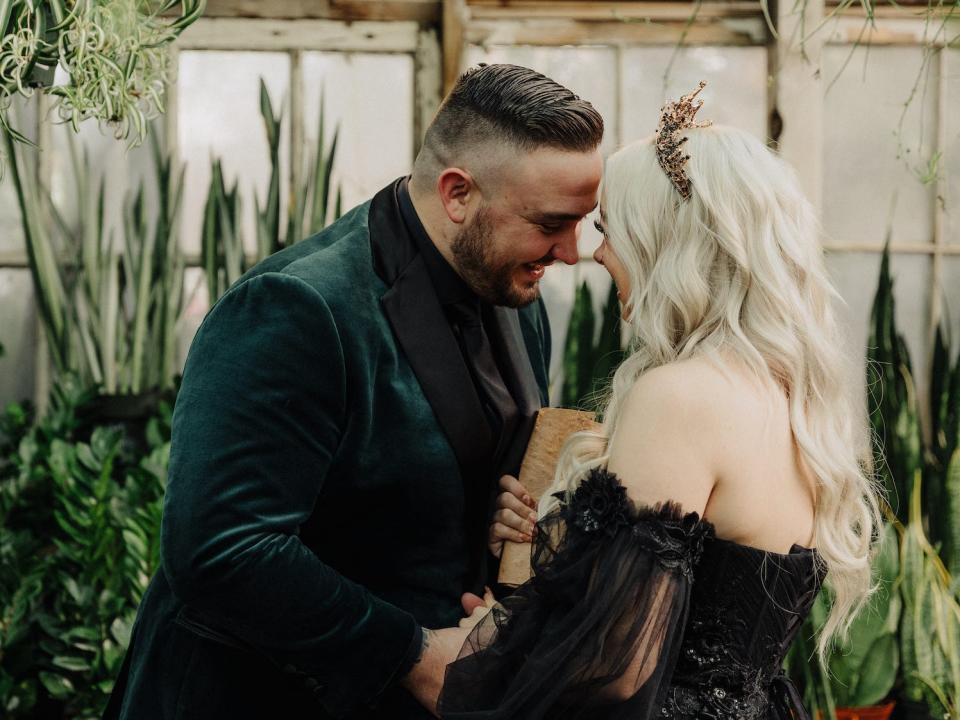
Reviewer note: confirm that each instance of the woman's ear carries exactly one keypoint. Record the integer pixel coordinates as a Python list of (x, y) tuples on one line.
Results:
[(456, 190)]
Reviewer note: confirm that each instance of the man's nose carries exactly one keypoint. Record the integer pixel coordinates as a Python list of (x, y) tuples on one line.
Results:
[(566, 250)]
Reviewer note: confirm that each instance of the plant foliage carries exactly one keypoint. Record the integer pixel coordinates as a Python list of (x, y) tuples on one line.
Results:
[(589, 358), (110, 309), (79, 541), (113, 52), (311, 206)]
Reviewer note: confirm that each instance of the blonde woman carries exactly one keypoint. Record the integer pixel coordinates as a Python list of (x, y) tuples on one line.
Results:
[(683, 545)]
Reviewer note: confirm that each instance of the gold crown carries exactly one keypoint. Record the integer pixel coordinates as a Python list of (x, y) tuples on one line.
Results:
[(675, 117)]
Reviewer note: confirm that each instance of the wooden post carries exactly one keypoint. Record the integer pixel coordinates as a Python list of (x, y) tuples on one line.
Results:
[(455, 15), (427, 84), (798, 92)]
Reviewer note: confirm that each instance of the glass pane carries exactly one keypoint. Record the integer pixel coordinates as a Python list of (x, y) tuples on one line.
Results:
[(736, 92), (855, 275), (871, 178), (119, 166), (590, 72), (559, 286), (218, 115), (359, 90), (18, 335), (951, 152)]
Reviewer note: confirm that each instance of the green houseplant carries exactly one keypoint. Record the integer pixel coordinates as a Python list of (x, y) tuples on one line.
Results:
[(923, 488), (110, 309), (112, 51), (79, 539), (590, 357), (862, 669)]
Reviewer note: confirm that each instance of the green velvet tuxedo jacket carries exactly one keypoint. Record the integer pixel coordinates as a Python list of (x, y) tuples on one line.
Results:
[(317, 509)]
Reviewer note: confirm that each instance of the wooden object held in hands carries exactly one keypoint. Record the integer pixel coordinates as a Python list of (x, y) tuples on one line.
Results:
[(552, 428)]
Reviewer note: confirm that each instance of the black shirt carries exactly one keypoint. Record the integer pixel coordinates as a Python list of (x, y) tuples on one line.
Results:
[(458, 300)]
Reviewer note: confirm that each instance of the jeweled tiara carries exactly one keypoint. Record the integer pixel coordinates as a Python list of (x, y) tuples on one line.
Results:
[(675, 117)]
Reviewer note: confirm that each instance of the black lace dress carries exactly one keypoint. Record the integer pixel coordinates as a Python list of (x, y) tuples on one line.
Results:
[(637, 613)]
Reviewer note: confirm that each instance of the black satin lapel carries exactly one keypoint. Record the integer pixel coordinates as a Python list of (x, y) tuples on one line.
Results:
[(520, 380), (424, 334)]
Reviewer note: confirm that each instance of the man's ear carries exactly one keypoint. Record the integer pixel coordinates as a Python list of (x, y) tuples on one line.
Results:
[(456, 189)]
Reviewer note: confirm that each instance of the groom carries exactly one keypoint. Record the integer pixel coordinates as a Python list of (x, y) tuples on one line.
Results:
[(345, 412)]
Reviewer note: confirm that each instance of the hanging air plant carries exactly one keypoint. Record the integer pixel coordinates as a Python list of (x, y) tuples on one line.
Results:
[(112, 51)]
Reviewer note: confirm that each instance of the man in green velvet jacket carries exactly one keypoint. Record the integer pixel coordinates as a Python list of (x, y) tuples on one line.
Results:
[(346, 410)]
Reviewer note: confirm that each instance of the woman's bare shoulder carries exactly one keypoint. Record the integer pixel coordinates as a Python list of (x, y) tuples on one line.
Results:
[(695, 387), (665, 442)]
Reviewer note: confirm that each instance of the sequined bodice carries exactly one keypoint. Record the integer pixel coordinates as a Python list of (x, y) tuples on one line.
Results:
[(746, 607)]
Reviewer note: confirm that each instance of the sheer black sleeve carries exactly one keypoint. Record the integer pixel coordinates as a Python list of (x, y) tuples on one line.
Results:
[(596, 632)]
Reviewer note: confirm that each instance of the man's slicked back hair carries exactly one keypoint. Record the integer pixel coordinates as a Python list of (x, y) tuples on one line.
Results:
[(513, 104)]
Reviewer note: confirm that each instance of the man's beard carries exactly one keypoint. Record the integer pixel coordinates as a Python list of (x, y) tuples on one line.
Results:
[(490, 278)]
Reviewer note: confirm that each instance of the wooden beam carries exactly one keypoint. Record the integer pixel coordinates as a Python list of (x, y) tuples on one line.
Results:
[(606, 11), (903, 9), (892, 30), (424, 12), (544, 32), (284, 35)]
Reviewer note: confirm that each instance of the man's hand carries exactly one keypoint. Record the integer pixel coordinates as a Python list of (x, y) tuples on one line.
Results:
[(515, 518), (476, 607), (440, 648)]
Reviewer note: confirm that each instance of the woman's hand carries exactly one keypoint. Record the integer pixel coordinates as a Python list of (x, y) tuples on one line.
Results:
[(515, 517)]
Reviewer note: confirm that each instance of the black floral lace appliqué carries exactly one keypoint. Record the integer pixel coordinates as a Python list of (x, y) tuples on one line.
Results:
[(600, 505)]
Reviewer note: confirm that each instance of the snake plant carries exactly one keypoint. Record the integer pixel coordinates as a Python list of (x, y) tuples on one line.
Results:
[(310, 207), (590, 359), (110, 308)]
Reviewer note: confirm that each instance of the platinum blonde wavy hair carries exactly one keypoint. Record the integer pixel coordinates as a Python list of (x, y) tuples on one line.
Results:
[(738, 267)]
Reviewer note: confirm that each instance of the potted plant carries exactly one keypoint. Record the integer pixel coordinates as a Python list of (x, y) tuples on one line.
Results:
[(113, 53), (110, 308), (861, 668)]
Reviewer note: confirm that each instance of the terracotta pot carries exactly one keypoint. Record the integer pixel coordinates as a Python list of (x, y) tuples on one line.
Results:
[(874, 712)]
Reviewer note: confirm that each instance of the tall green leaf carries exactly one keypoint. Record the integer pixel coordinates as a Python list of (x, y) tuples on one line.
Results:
[(578, 349)]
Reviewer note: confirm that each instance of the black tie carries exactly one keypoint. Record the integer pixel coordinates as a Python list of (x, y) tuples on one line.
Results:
[(478, 355)]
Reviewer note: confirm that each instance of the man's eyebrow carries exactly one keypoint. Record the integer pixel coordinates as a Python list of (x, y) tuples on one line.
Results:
[(558, 217)]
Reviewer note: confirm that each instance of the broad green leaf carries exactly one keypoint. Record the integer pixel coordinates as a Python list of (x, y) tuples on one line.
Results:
[(878, 674), (58, 686), (67, 662)]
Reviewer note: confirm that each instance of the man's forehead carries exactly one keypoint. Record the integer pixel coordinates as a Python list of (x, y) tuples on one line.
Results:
[(580, 171), (555, 182)]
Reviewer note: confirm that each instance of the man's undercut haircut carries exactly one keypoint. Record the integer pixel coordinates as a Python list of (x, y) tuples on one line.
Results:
[(516, 105)]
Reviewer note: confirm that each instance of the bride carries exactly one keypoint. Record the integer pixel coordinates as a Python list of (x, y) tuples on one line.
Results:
[(683, 545)]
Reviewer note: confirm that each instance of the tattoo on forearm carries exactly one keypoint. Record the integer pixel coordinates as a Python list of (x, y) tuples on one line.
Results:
[(425, 643)]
